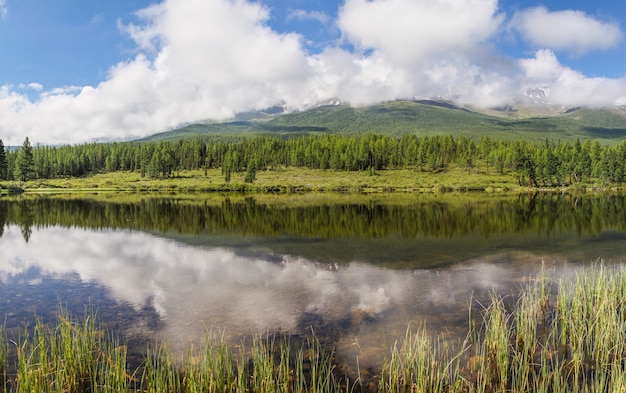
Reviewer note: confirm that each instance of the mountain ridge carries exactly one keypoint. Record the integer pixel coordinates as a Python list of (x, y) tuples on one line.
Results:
[(421, 117)]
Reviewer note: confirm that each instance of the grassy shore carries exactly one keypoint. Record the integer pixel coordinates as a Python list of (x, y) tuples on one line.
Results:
[(289, 180), (557, 337)]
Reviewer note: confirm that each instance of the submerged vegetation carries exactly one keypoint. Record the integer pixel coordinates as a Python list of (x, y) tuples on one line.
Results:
[(558, 336)]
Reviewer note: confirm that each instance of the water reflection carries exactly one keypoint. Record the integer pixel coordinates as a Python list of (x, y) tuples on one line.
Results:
[(347, 217), (356, 271), (200, 286), (192, 288), (410, 231)]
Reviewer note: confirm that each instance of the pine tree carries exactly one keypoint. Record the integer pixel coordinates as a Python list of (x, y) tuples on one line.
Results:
[(24, 163)]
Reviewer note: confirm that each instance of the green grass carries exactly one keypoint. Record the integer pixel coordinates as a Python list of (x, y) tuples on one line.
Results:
[(75, 356), (289, 180), (560, 336), (574, 340)]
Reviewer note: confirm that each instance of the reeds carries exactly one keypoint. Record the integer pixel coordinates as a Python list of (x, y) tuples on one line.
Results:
[(573, 339), (273, 364), (73, 357), (421, 363), (559, 336), (3, 356)]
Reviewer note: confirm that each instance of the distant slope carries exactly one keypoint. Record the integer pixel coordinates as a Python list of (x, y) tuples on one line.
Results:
[(421, 118)]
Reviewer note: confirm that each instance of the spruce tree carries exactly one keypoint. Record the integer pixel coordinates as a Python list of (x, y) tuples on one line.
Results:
[(4, 165), (24, 163), (227, 166), (251, 171)]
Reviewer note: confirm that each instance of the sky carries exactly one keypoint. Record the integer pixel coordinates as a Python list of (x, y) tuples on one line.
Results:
[(76, 71)]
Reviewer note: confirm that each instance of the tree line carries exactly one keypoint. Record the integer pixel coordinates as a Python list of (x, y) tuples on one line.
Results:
[(549, 163)]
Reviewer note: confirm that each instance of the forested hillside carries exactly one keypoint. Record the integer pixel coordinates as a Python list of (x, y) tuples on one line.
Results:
[(422, 118), (537, 164)]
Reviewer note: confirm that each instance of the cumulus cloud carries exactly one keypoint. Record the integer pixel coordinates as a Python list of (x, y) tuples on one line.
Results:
[(405, 49), (407, 31), (3, 8), (231, 51), (569, 87), (565, 30), (199, 60)]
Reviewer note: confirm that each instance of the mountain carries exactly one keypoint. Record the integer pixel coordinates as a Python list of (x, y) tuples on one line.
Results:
[(530, 118)]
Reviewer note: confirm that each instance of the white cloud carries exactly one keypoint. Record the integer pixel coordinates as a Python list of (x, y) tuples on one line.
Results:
[(31, 86), (63, 90), (408, 31), (206, 60), (569, 87), (565, 30), (318, 16), (407, 48), (3, 8), (35, 86), (367, 79)]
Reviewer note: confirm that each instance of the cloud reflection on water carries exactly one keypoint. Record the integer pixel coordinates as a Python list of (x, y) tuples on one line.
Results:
[(193, 288), (194, 284)]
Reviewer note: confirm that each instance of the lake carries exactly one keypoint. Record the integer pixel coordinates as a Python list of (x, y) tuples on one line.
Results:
[(355, 269)]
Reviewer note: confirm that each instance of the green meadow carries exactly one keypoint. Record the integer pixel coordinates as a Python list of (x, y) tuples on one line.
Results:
[(283, 180), (290, 180)]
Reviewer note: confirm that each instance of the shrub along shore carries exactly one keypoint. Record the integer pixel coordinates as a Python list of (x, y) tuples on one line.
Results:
[(560, 336)]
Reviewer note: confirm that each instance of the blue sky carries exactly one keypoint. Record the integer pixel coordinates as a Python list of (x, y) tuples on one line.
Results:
[(74, 71)]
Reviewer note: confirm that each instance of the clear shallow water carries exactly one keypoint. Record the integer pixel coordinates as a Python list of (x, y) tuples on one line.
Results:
[(360, 291)]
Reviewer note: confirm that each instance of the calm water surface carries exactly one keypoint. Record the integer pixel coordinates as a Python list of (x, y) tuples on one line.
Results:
[(355, 270)]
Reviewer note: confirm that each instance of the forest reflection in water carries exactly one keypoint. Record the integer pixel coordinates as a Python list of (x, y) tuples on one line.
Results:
[(357, 272)]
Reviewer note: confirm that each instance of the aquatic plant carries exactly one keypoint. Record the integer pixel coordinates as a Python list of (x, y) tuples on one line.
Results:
[(3, 354), (571, 340), (73, 357), (421, 363)]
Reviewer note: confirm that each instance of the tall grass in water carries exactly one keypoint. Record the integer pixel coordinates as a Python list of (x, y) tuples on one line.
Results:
[(549, 340), (161, 373), (421, 363), (272, 364), (3, 357), (571, 340), (74, 357)]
